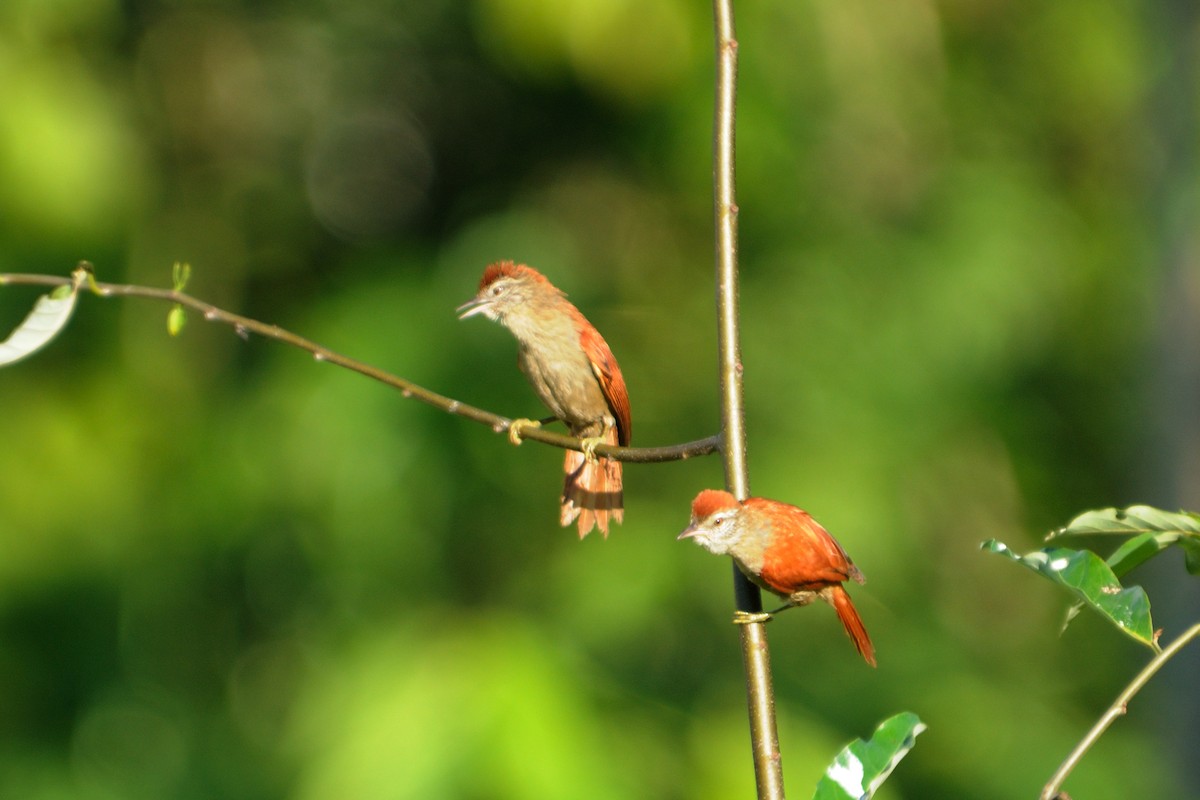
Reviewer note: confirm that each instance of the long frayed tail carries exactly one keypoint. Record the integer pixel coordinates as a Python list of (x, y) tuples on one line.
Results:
[(592, 490)]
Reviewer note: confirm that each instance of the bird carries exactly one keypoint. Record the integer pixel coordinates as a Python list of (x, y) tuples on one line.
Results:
[(574, 373), (782, 549)]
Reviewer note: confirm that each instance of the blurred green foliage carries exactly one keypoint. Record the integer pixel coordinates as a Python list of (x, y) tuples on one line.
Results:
[(229, 571)]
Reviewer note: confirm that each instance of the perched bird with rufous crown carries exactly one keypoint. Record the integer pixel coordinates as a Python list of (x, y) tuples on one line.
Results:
[(574, 373), (782, 549)]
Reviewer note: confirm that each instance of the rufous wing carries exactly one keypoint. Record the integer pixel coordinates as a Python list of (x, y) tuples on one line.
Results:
[(612, 383), (801, 554)]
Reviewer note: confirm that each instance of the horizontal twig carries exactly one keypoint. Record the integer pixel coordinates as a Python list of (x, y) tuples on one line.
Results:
[(245, 326)]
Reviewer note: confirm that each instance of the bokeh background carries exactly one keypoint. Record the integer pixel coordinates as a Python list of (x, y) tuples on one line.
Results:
[(970, 295)]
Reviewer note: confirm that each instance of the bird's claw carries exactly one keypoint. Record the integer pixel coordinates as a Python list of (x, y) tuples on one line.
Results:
[(752, 617), (589, 445), (517, 425)]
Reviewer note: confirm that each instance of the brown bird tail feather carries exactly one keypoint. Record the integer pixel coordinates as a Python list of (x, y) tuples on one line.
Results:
[(839, 598), (592, 491)]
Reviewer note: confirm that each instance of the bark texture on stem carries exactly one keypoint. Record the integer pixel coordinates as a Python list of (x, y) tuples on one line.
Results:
[(764, 736)]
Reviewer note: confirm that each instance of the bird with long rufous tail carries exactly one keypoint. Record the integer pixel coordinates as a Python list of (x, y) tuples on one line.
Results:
[(575, 374), (782, 549)]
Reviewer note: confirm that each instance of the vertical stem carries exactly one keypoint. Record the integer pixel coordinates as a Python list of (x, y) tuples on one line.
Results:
[(760, 697), (733, 422)]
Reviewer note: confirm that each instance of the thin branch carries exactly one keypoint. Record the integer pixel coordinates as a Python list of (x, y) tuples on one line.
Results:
[(733, 418), (760, 696), (245, 326), (1052, 789)]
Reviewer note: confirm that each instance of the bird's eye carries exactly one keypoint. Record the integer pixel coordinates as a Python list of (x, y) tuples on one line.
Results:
[(495, 290)]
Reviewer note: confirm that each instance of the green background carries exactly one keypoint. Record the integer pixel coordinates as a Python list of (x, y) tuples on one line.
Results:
[(968, 243)]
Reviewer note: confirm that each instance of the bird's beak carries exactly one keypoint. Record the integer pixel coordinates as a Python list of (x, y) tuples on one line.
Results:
[(688, 532), (472, 307)]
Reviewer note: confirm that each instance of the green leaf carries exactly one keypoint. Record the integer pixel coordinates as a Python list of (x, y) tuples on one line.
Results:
[(1129, 521), (181, 272), (1191, 554), (862, 767), (1138, 550), (50, 315), (1153, 530), (1092, 581)]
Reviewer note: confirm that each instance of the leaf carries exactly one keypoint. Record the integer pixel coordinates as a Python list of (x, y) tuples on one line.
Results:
[(1129, 521), (50, 315), (181, 272), (1138, 550), (1191, 554), (862, 767), (1092, 581), (1153, 531)]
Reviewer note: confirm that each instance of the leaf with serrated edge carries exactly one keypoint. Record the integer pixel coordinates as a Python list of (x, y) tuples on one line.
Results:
[(862, 767), (1092, 581), (50, 315)]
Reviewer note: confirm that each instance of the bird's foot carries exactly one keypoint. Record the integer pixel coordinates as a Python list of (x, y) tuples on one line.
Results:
[(517, 425), (752, 617), (589, 445)]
